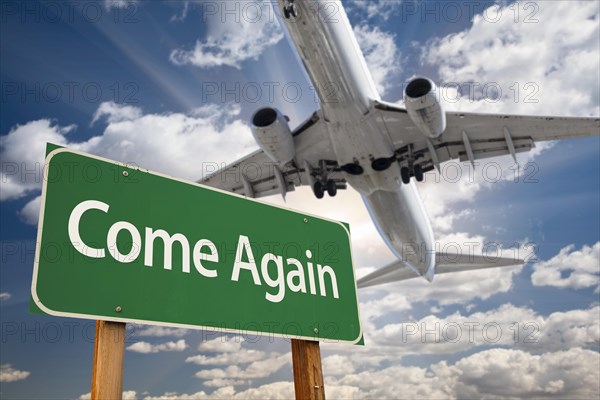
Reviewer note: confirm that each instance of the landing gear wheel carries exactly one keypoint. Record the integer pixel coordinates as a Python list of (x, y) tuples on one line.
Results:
[(331, 188), (405, 174), (318, 190), (419, 173), (286, 12)]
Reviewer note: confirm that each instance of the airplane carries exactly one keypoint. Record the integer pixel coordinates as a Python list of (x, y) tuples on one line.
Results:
[(378, 148)]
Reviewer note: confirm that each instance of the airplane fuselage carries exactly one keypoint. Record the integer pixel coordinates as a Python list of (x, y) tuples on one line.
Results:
[(325, 41)]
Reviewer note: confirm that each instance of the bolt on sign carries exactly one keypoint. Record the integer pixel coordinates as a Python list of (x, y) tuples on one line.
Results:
[(124, 244)]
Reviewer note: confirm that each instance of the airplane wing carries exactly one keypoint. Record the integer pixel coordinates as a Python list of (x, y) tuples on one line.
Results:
[(444, 263), (256, 175), (471, 136), (468, 137)]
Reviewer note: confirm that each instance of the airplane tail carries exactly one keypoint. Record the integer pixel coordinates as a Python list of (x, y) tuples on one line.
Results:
[(444, 263)]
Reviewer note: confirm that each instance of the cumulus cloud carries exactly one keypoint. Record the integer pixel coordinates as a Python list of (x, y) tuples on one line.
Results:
[(158, 331), (571, 268), (222, 344), (147, 348), (381, 54), (458, 288), (505, 326), (254, 370), (116, 113), (337, 365), (31, 212), (9, 374), (275, 390), (182, 15), (127, 395), (446, 192), (242, 356), (502, 373), (110, 4), (369, 9), (169, 143), (497, 51), (234, 40), (492, 374), (22, 154)]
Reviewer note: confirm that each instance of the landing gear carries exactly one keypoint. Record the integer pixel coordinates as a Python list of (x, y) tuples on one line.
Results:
[(418, 170), (318, 190), (290, 10), (405, 175), (325, 178), (331, 188)]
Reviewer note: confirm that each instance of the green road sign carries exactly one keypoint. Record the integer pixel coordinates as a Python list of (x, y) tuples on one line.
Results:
[(124, 244)]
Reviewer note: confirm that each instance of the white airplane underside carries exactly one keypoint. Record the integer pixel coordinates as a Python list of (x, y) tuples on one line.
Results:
[(378, 148)]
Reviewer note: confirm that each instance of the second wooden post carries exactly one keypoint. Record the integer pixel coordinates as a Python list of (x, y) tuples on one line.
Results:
[(308, 372)]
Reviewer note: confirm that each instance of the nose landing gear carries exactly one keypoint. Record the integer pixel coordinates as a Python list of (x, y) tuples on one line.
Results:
[(417, 172), (330, 187), (321, 179)]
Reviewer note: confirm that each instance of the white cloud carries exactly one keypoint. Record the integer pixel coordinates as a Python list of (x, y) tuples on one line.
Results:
[(127, 395), (242, 356), (22, 155), (5, 296), (460, 287), (456, 288), (233, 39), (31, 212), (182, 15), (168, 143), (110, 4), (116, 113), (255, 370), (501, 373), (493, 374), (575, 269), (222, 344), (563, 79), (337, 365), (505, 326), (275, 390), (381, 54), (368, 9), (224, 382), (158, 331), (147, 348), (9, 374)]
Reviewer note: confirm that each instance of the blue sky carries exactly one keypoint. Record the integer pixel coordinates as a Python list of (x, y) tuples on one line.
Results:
[(145, 82)]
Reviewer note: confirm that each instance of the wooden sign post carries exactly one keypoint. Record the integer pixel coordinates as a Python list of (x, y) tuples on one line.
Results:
[(109, 349), (308, 371)]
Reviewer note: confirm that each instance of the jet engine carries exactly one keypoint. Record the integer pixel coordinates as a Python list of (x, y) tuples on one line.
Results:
[(273, 134), (424, 108)]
